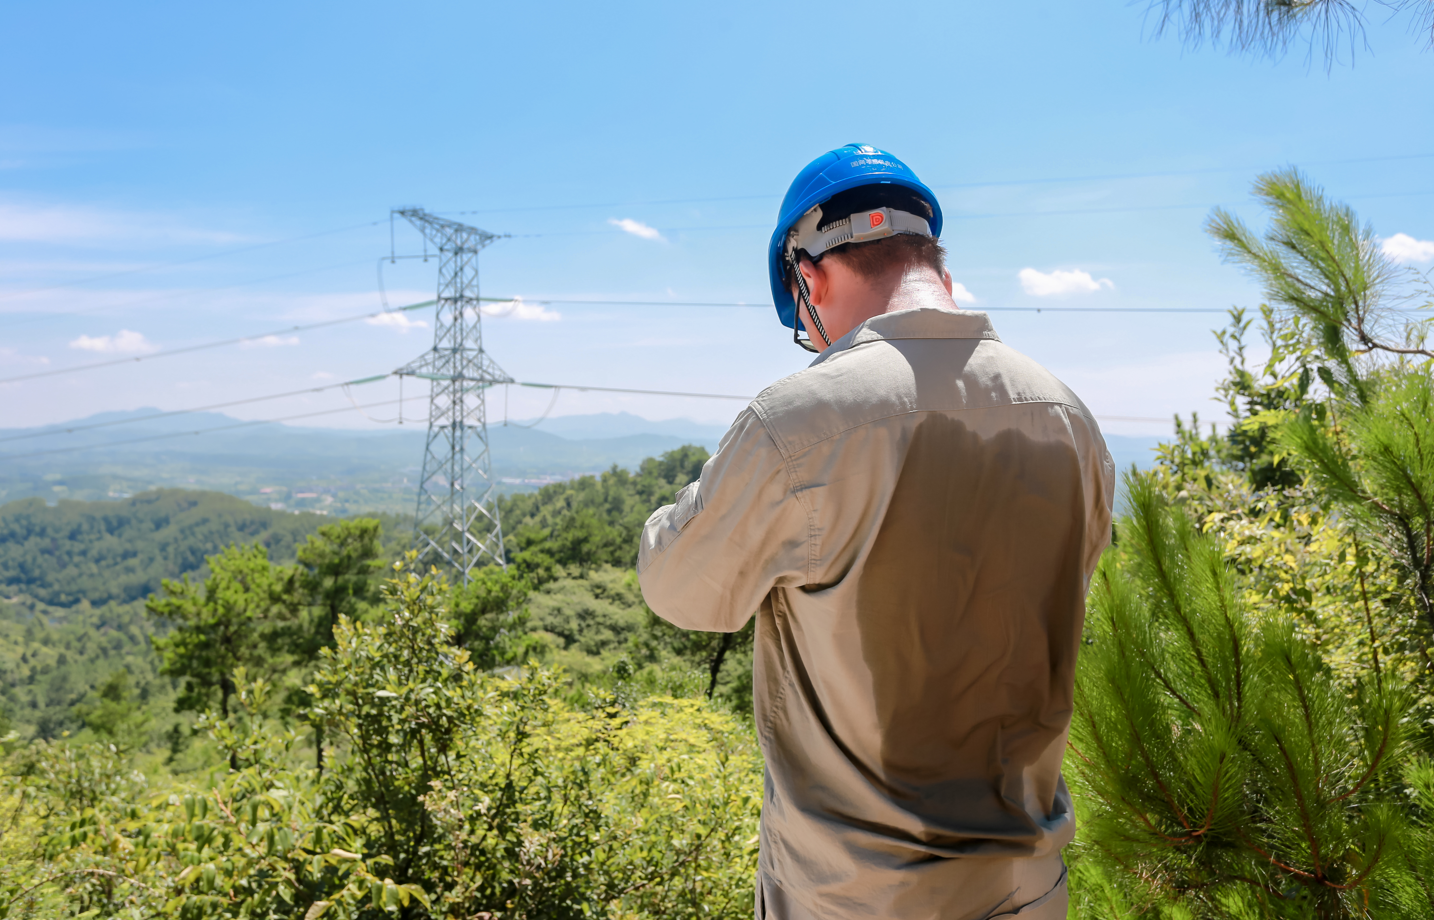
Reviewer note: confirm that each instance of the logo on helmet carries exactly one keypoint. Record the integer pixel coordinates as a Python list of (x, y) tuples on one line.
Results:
[(877, 219)]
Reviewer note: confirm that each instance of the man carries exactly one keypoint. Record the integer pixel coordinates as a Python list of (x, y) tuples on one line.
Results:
[(915, 518)]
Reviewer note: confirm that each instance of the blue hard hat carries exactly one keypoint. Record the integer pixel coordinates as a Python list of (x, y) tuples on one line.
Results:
[(835, 171)]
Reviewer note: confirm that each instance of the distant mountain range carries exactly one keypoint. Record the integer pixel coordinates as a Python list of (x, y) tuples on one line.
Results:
[(336, 470)]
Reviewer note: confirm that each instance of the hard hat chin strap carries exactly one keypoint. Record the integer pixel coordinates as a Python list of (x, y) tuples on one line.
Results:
[(807, 302)]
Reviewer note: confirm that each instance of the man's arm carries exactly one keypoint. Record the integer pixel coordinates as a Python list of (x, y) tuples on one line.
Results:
[(707, 561), (1098, 470)]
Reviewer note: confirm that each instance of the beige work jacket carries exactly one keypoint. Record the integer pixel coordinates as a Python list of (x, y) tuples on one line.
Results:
[(915, 519)]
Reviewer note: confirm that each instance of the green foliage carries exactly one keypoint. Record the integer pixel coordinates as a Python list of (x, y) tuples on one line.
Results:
[(1321, 266), (1377, 467), (1257, 404), (506, 799), (577, 543), (595, 616), (589, 522), (51, 657), (253, 844), (230, 621), (1293, 571), (1344, 565), (452, 784), (114, 712), (1224, 766), (66, 631), (120, 551), (339, 568), (490, 619), (453, 793)]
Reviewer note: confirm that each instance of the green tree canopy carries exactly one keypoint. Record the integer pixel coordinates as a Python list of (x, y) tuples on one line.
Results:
[(229, 621), (120, 551), (592, 521)]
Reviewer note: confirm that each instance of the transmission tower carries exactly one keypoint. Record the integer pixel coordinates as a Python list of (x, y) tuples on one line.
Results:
[(457, 516)]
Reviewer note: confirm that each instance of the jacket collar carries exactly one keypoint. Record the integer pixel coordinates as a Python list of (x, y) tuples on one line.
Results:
[(921, 323)]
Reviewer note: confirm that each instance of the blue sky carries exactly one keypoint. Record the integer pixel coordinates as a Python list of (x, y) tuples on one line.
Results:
[(237, 166)]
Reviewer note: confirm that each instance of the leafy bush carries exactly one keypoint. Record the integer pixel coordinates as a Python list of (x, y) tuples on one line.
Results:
[(451, 793)]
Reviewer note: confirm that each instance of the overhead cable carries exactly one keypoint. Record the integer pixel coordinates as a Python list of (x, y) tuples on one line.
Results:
[(203, 345), (984, 184), (360, 408), (568, 386), (953, 216), (181, 434), (768, 306), (209, 408), (134, 359)]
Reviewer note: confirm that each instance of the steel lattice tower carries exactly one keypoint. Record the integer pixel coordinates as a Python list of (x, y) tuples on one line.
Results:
[(457, 516)]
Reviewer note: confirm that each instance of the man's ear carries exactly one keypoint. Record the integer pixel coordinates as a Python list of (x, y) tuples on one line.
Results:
[(946, 279), (818, 283)]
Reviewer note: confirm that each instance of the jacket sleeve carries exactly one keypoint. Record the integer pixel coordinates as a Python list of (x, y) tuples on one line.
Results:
[(707, 561)]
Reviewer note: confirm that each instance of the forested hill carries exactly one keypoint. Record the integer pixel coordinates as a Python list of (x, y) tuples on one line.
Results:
[(74, 578), (119, 550)]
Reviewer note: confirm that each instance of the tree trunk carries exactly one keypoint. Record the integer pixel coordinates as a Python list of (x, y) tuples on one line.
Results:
[(715, 668), (225, 689)]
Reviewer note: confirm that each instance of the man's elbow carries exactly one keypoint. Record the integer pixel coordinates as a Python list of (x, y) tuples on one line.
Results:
[(686, 605)]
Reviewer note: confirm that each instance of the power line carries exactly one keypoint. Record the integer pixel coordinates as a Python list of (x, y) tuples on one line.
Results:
[(768, 306), (200, 347), (640, 303), (565, 386), (1132, 418), (568, 386), (949, 218), (986, 184), (212, 255), (618, 303), (181, 434), (224, 405), (356, 406)]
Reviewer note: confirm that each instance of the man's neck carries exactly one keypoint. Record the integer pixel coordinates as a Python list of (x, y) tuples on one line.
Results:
[(916, 287), (845, 299)]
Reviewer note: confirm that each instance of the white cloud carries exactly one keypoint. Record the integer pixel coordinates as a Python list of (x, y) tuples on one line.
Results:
[(397, 320), (960, 294), (517, 309), (1048, 284), (125, 342), (270, 341), (14, 356), (636, 228), (1401, 247), (321, 375)]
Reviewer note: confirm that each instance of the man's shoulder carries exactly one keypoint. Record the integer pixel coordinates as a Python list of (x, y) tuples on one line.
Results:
[(881, 378)]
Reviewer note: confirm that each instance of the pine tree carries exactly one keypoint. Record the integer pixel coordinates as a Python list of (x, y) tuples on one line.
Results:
[(1368, 445), (1223, 768)]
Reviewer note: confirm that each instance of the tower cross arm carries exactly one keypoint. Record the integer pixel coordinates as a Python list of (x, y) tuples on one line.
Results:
[(448, 235)]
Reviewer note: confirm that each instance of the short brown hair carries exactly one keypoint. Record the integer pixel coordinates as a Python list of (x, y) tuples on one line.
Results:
[(875, 258)]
